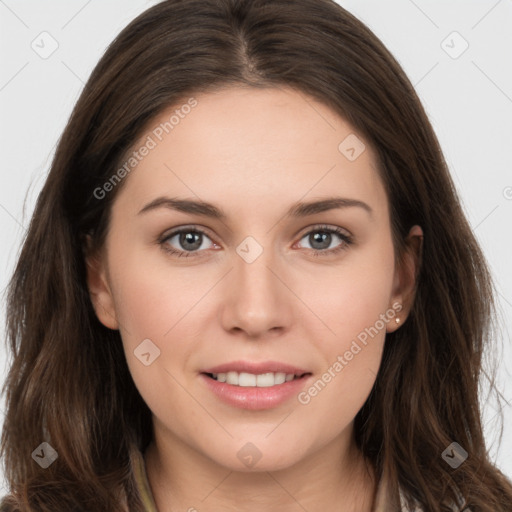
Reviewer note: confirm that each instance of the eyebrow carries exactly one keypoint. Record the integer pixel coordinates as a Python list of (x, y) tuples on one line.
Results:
[(300, 209)]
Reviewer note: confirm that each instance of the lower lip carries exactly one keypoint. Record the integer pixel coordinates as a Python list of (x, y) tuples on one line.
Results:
[(252, 397)]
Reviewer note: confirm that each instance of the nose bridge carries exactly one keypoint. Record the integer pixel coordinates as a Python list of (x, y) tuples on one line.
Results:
[(257, 299), (252, 270)]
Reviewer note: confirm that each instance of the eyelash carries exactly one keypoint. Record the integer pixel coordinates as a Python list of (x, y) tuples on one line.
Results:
[(347, 241)]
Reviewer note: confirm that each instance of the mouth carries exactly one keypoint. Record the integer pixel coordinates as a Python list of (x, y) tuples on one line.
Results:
[(260, 380), (255, 385), (261, 389)]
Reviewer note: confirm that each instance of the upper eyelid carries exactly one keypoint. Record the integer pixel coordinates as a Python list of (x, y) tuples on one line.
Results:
[(178, 230), (205, 231)]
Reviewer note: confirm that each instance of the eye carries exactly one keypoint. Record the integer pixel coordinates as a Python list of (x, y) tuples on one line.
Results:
[(321, 237), (188, 240)]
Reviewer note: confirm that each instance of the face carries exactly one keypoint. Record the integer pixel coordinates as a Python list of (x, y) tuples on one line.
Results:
[(270, 290)]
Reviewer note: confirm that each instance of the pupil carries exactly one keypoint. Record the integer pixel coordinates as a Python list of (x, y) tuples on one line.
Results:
[(186, 238), (321, 236)]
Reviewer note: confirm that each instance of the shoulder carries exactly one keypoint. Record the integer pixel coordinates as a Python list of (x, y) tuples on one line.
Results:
[(386, 499), (8, 503), (456, 507)]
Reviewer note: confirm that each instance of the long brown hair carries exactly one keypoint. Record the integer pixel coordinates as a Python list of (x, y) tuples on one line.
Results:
[(69, 384)]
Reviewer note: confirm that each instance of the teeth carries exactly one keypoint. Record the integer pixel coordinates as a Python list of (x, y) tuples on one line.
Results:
[(243, 379), (246, 379), (232, 378)]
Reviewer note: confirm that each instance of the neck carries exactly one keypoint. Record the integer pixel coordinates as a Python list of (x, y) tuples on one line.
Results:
[(333, 478)]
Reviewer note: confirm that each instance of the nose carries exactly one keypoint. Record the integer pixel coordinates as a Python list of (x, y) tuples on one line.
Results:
[(257, 300)]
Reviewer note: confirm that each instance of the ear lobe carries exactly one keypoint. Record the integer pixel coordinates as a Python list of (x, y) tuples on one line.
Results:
[(99, 290), (404, 286)]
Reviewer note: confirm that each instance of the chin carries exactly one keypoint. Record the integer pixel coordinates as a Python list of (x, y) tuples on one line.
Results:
[(253, 457)]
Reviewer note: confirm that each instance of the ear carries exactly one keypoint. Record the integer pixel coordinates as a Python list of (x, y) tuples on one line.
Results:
[(404, 284), (99, 289)]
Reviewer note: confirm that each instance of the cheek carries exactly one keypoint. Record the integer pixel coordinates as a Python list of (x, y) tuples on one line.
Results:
[(153, 297), (156, 302), (353, 296), (356, 307)]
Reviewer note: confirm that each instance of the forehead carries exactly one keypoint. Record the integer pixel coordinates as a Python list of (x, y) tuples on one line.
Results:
[(252, 146)]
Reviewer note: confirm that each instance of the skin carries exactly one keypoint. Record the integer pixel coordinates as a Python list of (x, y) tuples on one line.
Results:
[(253, 153)]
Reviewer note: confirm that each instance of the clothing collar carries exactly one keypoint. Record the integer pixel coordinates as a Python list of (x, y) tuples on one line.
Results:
[(141, 478)]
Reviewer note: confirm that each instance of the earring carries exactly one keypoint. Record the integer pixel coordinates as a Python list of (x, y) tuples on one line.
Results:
[(397, 320)]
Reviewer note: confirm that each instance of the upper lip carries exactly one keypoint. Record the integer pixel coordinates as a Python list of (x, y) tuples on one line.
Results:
[(256, 368)]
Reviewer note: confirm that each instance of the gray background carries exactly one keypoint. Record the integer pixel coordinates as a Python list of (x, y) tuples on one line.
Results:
[(467, 93)]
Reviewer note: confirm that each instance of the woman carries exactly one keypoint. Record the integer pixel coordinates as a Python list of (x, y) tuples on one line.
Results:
[(258, 368)]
